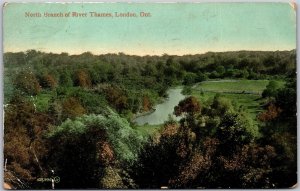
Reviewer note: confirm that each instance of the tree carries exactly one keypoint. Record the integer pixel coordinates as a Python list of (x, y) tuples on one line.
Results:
[(188, 105), (26, 82), (48, 81), (192, 154), (286, 99), (25, 147), (220, 70), (201, 77), (270, 114), (72, 108), (271, 89), (83, 79), (249, 167), (159, 159), (280, 131), (94, 151), (233, 132), (65, 79), (189, 78), (116, 96), (147, 106)]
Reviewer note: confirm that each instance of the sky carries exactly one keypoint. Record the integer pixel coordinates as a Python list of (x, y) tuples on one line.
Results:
[(173, 28)]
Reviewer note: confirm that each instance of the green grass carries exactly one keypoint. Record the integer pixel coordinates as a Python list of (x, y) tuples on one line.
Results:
[(244, 94), (148, 129), (234, 86), (249, 102)]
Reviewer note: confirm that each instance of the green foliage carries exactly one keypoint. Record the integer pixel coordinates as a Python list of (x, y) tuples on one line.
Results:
[(216, 143), (66, 79), (271, 89), (220, 70), (42, 101), (286, 99), (235, 86), (221, 116), (234, 130), (244, 94), (126, 141), (189, 78), (98, 146), (147, 130), (192, 154), (92, 102), (187, 90), (281, 133), (201, 77)]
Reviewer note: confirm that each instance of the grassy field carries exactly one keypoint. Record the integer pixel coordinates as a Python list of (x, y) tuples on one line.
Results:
[(250, 102), (234, 86), (242, 93), (148, 129)]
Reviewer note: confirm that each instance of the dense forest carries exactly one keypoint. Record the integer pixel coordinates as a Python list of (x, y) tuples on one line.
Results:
[(71, 118)]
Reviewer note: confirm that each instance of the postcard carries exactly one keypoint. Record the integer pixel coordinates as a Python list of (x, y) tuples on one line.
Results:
[(149, 95)]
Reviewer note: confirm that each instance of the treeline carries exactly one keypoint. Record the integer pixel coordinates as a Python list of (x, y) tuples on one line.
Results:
[(87, 70), (71, 114), (33, 71)]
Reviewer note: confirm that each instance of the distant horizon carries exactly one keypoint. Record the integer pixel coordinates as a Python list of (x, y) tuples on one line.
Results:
[(98, 54)]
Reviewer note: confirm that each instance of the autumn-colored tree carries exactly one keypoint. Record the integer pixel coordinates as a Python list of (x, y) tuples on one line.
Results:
[(271, 113), (27, 82), (170, 129), (49, 81), (25, 146), (72, 107), (250, 167), (111, 179), (83, 79), (146, 104), (188, 105), (112, 93), (116, 97), (192, 173), (121, 103)]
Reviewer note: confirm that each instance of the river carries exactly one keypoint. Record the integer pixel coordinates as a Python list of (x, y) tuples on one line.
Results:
[(162, 111)]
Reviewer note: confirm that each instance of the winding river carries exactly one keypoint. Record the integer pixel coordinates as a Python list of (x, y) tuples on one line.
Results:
[(162, 111)]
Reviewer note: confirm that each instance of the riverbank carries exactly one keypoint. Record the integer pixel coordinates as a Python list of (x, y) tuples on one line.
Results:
[(137, 115), (161, 111)]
